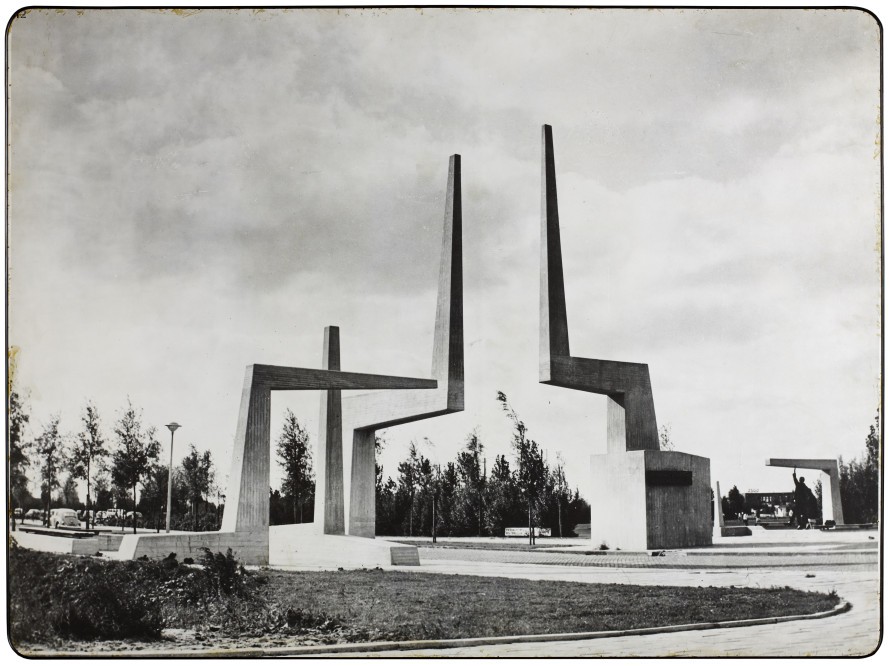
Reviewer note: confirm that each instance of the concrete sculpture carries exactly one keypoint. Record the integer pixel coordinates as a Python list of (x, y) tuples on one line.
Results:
[(364, 414), (831, 500), (661, 499), (245, 525)]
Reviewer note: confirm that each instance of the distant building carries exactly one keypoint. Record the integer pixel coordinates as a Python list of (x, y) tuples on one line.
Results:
[(775, 503)]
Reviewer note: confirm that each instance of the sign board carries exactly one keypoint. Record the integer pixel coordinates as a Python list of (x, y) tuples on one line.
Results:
[(523, 531)]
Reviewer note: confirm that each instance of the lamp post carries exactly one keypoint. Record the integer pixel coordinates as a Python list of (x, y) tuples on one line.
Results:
[(173, 426)]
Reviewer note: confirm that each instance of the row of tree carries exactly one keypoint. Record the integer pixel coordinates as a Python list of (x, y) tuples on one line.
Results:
[(112, 468), (463, 498), (460, 498)]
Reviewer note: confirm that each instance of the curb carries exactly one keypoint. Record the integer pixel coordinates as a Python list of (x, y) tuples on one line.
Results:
[(381, 646)]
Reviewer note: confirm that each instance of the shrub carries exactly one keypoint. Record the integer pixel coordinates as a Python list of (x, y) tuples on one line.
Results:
[(62, 596), (51, 596), (224, 574)]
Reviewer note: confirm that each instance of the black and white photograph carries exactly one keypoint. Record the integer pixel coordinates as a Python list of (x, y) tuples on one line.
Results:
[(424, 331)]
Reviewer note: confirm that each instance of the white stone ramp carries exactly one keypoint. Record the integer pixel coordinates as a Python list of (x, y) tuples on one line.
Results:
[(300, 546)]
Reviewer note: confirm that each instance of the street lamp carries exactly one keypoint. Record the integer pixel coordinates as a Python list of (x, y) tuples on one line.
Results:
[(173, 426)]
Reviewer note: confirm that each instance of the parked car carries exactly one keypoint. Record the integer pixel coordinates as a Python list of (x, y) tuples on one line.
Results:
[(34, 514), (63, 518), (17, 512), (128, 519)]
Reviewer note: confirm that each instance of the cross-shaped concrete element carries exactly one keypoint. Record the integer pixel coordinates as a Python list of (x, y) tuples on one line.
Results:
[(245, 525), (247, 503), (831, 501)]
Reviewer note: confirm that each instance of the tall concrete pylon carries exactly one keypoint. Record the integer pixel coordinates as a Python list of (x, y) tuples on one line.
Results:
[(660, 499), (630, 407), (364, 414)]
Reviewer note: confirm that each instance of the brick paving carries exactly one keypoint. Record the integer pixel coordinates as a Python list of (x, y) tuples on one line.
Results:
[(672, 559)]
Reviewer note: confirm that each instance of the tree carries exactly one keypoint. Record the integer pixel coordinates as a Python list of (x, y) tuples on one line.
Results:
[(817, 493), (447, 496), (18, 446), (386, 518), (532, 469), (859, 480), (104, 496), (560, 489), (137, 448), (198, 474), (665, 443), (153, 499), (471, 495), (89, 448), (502, 497), (734, 503), (51, 452), (409, 482), (68, 496), (295, 456)]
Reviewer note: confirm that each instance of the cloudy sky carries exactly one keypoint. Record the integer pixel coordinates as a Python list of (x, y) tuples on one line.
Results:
[(193, 192)]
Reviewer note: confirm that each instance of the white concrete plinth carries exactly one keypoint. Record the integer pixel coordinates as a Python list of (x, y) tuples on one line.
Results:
[(302, 546), (631, 514), (247, 547)]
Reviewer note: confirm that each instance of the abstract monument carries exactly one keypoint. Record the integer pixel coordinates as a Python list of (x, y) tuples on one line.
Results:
[(831, 500), (245, 525), (655, 499)]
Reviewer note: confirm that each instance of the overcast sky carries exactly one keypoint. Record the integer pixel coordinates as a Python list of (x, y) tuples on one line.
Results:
[(193, 192)]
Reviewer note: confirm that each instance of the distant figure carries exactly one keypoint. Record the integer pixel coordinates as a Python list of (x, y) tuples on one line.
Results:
[(802, 495)]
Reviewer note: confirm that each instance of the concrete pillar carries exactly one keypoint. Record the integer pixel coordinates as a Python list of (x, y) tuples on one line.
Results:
[(247, 499), (718, 512), (362, 495), (831, 497), (329, 452), (616, 430)]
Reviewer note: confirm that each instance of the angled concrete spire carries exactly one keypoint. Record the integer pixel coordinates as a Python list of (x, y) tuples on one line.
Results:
[(554, 322), (364, 414), (664, 495), (448, 343), (631, 409)]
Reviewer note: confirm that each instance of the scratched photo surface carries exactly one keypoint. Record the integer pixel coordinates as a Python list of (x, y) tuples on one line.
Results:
[(194, 191)]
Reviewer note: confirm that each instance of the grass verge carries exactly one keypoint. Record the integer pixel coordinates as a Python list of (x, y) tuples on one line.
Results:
[(56, 598)]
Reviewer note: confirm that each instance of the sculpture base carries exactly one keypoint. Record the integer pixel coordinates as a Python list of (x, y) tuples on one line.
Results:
[(247, 547), (650, 500), (302, 546)]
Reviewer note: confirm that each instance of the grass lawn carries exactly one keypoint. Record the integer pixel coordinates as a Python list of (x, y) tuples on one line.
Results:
[(406, 605), (56, 598)]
